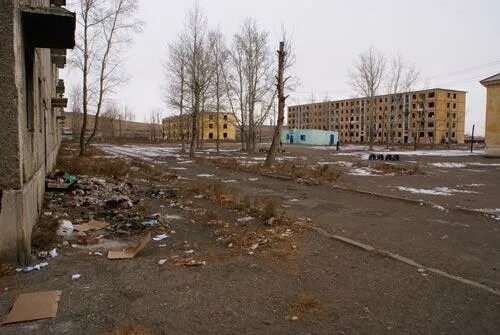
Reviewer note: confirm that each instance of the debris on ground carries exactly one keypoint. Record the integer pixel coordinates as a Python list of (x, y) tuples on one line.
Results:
[(34, 306), (130, 252)]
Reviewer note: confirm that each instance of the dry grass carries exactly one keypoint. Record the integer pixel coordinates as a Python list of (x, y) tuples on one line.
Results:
[(307, 304), (129, 330), (298, 170), (395, 168), (94, 163)]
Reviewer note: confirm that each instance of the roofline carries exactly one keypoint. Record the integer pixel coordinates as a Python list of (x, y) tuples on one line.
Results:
[(487, 80), (381, 95)]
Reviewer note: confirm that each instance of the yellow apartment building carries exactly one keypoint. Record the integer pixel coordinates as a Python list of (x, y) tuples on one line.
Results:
[(492, 135), (428, 117), (207, 125)]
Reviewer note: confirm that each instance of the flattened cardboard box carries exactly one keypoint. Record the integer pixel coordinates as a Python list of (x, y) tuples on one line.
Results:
[(34, 306), (130, 252), (92, 225)]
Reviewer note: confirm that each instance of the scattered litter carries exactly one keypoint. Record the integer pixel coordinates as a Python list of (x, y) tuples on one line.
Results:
[(203, 175), (162, 261), (246, 219), (230, 245), (150, 222), (285, 206), (162, 246), (195, 263), (444, 237), (189, 252), (92, 225), (270, 222), (28, 269), (53, 253), (76, 276), (294, 200), (130, 252), (65, 228), (199, 196), (421, 270), (97, 253), (34, 306), (160, 237), (295, 318)]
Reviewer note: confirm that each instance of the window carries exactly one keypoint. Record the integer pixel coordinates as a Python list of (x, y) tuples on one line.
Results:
[(454, 106), (414, 96), (430, 134), (422, 134), (211, 125), (431, 94), (302, 137), (224, 135), (211, 135), (454, 97), (210, 117), (287, 136), (225, 117), (431, 114), (431, 104), (224, 126), (453, 135)]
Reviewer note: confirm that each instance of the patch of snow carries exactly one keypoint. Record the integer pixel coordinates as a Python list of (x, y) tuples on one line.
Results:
[(230, 181), (253, 179), (204, 175), (185, 162), (246, 219), (484, 164), (445, 191), (178, 168), (449, 165), (365, 171)]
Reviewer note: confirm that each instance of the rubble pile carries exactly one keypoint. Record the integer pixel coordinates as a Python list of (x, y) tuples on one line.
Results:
[(98, 208)]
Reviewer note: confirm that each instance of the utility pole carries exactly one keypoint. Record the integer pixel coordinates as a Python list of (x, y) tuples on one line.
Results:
[(472, 139), (271, 155)]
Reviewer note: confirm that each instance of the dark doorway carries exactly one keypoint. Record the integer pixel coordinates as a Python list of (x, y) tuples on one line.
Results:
[(291, 139), (332, 139)]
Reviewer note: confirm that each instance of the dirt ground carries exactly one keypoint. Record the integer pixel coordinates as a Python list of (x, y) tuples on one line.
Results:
[(408, 247)]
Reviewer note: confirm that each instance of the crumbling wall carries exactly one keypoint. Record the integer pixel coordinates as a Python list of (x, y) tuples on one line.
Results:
[(28, 146)]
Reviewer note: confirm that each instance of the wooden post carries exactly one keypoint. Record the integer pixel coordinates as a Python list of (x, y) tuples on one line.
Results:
[(472, 139), (271, 155)]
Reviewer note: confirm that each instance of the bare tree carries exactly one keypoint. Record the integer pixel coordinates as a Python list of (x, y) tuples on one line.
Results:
[(400, 80), (366, 78), (250, 80), (198, 68), (219, 58), (106, 26), (176, 90), (286, 59), (75, 96)]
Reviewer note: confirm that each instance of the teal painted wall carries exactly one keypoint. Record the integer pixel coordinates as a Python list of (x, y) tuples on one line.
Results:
[(309, 136)]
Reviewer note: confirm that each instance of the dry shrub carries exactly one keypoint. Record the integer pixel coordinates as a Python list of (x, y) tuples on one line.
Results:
[(43, 236), (307, 304), (93, 163), (129, 330), (269, 209)]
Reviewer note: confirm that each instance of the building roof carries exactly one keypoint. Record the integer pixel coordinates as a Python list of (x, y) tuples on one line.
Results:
[(379, 96), (491, 80)]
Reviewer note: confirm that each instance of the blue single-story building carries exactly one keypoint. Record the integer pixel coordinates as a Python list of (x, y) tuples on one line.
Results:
[(309, 136)]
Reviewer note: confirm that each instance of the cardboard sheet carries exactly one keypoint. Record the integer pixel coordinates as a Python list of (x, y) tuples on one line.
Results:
[(92, 225), (34, 306), (130, 252)]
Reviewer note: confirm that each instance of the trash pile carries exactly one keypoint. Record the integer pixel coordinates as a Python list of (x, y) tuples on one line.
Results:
[(96, 208)]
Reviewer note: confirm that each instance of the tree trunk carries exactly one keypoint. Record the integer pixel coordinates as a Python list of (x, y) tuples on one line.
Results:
[(271, 155)]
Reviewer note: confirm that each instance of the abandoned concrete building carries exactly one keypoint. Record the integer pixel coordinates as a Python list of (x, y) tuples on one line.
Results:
[(428, 117), (492, 85), (34, 36)]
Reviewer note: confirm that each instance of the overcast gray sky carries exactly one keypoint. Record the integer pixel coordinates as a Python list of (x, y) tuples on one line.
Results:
[(453, 43)]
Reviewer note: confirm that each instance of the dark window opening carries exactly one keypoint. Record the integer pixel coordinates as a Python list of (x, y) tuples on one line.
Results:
[(224, 135)]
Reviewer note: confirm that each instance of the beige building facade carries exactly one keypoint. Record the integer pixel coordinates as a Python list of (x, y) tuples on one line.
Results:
[(492, 134), (209, 127), (33, 41), (427, 117)]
